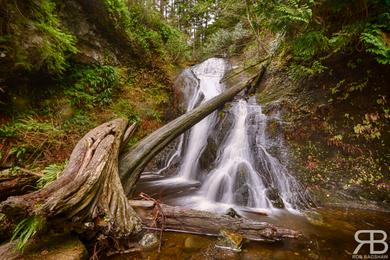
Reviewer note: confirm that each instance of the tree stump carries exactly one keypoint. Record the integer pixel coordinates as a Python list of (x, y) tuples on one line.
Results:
[(88, 189)]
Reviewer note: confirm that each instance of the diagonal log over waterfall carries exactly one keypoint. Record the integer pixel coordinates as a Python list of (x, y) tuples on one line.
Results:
[(133, 162), (93, 187)]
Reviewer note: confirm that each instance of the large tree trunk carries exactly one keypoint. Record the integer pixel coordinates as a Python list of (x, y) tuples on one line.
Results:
[(88, 189), (132, 163)]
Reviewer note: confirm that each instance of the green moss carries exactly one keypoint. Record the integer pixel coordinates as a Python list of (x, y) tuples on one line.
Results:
[(37, 39), (123, 108)]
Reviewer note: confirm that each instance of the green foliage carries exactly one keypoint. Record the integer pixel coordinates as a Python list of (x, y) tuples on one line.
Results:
[(119, 13), (51, 43), (346, 38), (281, 15), (226, 40), (147, 32), (373, 38), (50, 174), (175, 43), (80, 119), (299, 71), (123, 108), (18, 152), (292, 12), (26, 229), (27, 124), (309, 44), (372, 125), (92, 86)]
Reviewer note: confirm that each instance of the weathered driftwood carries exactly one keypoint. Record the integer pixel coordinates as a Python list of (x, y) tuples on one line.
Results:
[(89, 187), (184, 220), (132, 163), (12, 185)]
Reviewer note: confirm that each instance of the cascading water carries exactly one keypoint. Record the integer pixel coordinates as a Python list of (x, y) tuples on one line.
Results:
[(209, 74), (223, 184), (201, 83), (244, 174)]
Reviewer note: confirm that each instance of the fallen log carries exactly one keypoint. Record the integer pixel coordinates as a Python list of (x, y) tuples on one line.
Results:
[(132, 163), (178, 219)]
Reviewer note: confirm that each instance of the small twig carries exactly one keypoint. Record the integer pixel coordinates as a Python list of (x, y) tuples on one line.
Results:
[(95, 253), (30, 172), (130, 250), (182, 231), (157, 213)]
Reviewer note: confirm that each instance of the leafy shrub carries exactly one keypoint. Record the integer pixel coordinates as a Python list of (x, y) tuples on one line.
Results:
[(175, 43), (146, 31), (374, 40), (346, 38), (18, 152), (309, 44), (280, 15), (92, 86), (80, 119), (299, 71), (224, 40)]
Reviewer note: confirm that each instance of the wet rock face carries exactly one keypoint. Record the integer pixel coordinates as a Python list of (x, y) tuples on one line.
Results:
[(93, 48), (274, 196), (52, 247), (160, 160), (221, 131), (241, 189), (232, 213)]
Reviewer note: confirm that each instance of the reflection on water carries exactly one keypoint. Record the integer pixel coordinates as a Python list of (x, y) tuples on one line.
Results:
[(328, 234)]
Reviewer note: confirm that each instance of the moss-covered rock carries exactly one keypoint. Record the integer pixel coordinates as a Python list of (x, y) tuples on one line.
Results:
[(50, 247)]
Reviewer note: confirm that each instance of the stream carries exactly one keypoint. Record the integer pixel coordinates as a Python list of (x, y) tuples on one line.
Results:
[(229, 161)]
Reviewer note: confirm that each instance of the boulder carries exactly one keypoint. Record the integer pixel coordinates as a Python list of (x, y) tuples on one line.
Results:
[(149, 240), (51, 247), (193, 243)]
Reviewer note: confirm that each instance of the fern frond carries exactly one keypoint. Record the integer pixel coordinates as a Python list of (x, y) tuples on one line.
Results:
[(26, 229)]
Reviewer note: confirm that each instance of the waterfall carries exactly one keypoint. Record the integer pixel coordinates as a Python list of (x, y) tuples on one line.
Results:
[(201, 83), (209, 74), (223, 184), (243, 172)]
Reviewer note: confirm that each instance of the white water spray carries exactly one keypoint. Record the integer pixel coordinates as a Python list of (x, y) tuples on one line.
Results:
[(244, 173)]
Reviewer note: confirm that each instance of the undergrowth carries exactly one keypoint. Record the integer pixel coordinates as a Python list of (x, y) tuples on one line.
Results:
[(52, 44), (50, 174), (26, 229)]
